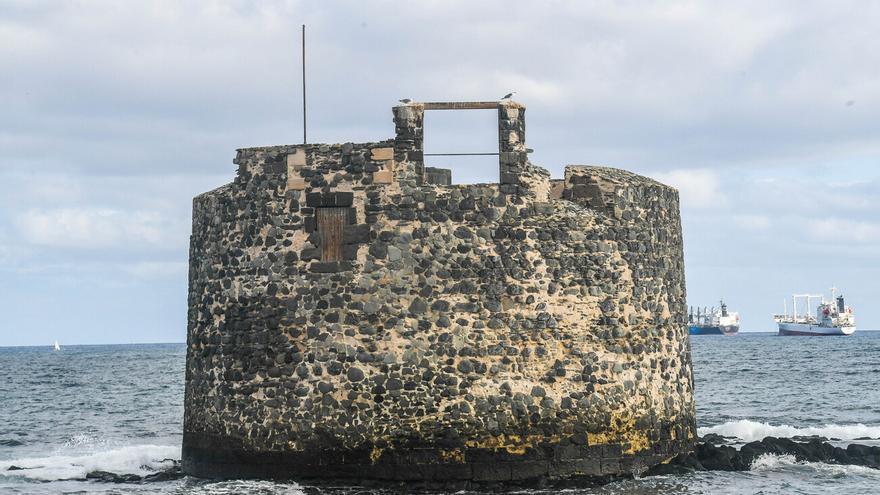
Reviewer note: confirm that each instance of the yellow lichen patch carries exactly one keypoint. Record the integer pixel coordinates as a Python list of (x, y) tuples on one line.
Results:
[(375, 454), (513, 444), (602, 438), (452, 455), (622, 431), (638, 441), (625, 434)]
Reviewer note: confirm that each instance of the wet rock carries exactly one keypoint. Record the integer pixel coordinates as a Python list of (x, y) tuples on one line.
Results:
[(715, 439), (174, 473), (710, 457), (108, 477)]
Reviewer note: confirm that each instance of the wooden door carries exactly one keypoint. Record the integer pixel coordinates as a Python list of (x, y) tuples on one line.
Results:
[(331, 221)]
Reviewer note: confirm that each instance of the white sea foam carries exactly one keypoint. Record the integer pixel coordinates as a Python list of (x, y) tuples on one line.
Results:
[(134, 459), (748, 431), (776, 463), (237, 487)]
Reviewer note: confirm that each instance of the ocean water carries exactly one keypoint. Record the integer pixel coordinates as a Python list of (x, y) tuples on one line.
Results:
[(119, 409)]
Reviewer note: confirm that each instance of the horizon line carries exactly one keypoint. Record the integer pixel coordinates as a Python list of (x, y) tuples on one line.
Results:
[(184, 343)]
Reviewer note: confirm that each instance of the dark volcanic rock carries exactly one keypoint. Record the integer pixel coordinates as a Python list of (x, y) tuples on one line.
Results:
[(108, 477), (709, 457), (172, 473), (716, 439)]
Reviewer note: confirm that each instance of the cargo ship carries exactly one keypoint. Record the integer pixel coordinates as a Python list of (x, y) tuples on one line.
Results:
[(713, 321), (832, 317)]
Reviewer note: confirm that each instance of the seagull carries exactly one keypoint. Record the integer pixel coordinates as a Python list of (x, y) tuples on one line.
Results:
[(405, 100), (508, 95)]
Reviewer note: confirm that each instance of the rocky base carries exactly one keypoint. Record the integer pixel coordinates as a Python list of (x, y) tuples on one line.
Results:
[(169, 474), (710, 454), (424, 467), (453, 467)]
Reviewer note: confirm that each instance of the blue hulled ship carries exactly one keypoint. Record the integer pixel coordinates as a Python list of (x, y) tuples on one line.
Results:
[(713, 321)]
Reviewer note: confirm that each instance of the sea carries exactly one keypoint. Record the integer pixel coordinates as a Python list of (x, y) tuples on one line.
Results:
[(119, 408)]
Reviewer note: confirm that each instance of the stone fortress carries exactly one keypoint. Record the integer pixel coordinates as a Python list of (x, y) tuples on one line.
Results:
[(354, 317)]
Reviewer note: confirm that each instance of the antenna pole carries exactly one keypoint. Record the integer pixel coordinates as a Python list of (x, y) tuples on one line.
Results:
[(304, 80)]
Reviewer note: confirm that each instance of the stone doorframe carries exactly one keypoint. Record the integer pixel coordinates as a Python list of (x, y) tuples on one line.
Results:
[(409, 142)]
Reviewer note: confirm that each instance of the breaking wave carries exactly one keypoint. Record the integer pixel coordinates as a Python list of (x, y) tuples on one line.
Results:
[(237, 487), (777, 463), (749, 431), (141, 460)]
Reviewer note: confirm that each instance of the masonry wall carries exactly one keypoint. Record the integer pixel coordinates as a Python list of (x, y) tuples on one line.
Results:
[(476, 333)]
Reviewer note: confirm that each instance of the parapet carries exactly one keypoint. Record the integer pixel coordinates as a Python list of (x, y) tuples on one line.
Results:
[(400, 160), (354, 317)]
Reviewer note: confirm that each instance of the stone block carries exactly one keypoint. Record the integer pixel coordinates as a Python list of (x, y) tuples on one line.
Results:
[(330, 266), (454, 472), (513, 157), (529, 470), (295, 183), (383, 177), (380, 154), (438, 176), (344, 199), (349, 252), (557, 187), (508, 178), (356, 234), (310, 254), (491, 472), (313, 199), (296, 160)]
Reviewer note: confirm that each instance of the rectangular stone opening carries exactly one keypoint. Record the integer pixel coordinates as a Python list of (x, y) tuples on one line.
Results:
[(450, 137), (331, 223)]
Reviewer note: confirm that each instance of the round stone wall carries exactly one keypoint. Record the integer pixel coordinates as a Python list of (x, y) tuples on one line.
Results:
[(463, 335)]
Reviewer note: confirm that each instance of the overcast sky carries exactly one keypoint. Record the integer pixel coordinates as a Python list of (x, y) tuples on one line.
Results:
[(113, 115)]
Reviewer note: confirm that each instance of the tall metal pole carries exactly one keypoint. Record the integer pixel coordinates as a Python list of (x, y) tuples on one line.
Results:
[(304, 80)]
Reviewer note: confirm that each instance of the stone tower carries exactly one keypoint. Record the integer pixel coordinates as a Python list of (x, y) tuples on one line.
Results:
[(351, 320)]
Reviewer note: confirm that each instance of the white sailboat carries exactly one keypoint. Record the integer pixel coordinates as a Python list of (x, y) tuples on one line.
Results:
[(57, 346)]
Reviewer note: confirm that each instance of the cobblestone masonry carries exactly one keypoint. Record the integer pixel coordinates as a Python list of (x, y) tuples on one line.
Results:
[(470, 333)]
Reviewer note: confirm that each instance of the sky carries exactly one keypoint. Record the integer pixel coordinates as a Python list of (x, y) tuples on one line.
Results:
[(113, 115)]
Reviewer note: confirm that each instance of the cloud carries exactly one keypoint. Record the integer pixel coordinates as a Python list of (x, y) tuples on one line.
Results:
[(157, 269), (843, 231), (116, 114), (698, 188), (92, 228), (759, 223)]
